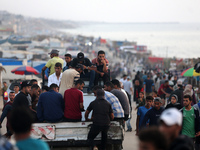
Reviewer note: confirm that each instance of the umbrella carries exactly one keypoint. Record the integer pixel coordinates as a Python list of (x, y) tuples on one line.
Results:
[(190, 72), (25, 70)]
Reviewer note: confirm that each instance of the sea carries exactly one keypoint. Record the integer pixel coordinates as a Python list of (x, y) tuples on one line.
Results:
[(180, 40)]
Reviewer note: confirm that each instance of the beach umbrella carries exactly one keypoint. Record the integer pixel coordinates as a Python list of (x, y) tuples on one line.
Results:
[(190, 72), (25, 70)]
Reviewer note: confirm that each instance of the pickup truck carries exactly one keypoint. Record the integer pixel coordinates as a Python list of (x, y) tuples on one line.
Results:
[(73, 136)]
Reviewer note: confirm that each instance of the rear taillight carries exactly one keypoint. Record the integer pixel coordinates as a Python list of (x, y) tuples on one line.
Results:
[(5, 95)]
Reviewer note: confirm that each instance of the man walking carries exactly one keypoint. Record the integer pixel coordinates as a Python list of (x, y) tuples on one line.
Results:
[(153, 114), (148, 86), (142, 110), (171, 125), (101, 119), (190, 126), (6, 113)]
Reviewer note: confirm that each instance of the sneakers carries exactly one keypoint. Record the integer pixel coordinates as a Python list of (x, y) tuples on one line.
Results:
[(129, 130)]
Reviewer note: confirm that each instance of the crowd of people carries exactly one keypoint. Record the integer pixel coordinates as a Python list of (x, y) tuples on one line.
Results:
[(170, 105), (160, 101)]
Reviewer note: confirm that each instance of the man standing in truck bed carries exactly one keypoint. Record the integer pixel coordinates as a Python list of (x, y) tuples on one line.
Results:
[(101, 119), (51, 63)]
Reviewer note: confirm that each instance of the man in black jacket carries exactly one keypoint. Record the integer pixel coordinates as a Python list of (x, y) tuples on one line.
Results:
[(153, 114), (171, 124), (21, 98), (88, 71), (102, 114)]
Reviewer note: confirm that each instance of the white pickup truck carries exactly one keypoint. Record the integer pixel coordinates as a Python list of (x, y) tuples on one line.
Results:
[(73, 136)]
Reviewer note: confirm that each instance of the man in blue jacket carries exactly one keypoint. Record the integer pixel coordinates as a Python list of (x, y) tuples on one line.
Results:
[(50, 105)]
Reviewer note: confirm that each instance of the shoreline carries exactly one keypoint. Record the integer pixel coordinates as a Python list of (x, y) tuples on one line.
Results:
[(157, 42)]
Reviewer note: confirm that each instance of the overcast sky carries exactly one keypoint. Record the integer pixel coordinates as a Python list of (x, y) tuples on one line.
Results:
[(108, 10)]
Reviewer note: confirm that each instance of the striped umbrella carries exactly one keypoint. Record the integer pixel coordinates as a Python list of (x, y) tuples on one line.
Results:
[(25, 70)]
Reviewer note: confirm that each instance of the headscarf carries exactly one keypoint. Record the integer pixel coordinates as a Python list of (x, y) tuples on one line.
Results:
[(176, 97), (188, 90)]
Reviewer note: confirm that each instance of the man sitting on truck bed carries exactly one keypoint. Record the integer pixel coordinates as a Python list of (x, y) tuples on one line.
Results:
[(73, 99), (68, 60), (102, 67), (102, 114), (69, 77), (88, 71), (50, 105)]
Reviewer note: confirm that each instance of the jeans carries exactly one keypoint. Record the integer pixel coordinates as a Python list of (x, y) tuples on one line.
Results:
[(91, 76), (105, 78), (128, 124), (94, 131)]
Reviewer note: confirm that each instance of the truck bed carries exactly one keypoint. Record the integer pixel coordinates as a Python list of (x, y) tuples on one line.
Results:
[(68, 134)]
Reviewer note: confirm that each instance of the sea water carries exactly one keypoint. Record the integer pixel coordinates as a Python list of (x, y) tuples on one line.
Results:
[(181, 40)]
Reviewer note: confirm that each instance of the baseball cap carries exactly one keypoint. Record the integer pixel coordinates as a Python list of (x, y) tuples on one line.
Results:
[(54, 51), (80, 56), (171, 117), (79, 66), (157, 99), (25, 84)]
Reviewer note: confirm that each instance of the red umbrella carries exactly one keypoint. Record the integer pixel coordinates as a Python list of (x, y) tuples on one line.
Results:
[(25, 70)]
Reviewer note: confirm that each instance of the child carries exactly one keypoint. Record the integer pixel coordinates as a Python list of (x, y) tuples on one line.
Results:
[(141, 100)]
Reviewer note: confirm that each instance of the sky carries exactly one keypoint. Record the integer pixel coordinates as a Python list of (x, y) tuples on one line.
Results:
[(107, 10)]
